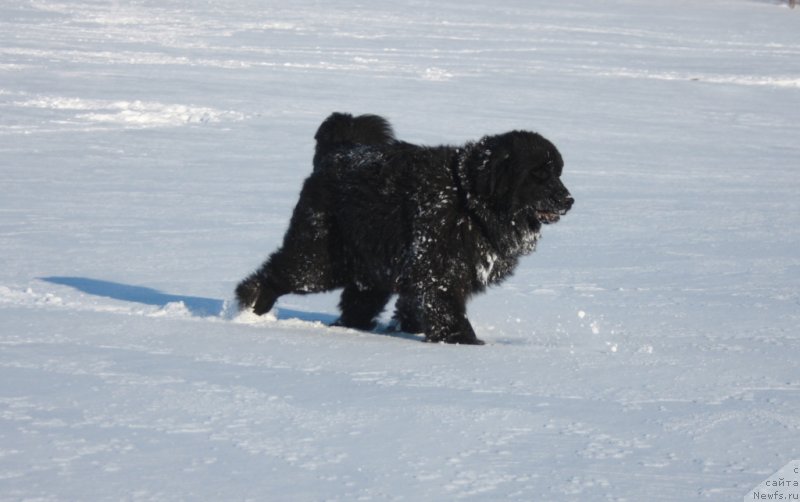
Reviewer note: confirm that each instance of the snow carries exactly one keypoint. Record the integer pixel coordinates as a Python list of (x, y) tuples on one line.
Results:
[(151, 154)]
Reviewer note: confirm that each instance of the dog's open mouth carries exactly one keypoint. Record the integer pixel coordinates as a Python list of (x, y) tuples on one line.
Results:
[(548, 217)]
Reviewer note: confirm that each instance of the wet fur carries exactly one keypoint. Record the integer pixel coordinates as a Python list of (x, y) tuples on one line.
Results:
[(434, 225)]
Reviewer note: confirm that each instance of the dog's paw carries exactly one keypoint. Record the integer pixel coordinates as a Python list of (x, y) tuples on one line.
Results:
[(254, 293), (462, 339), (247, 292), (456, 338), (355, 324), (265, 300)]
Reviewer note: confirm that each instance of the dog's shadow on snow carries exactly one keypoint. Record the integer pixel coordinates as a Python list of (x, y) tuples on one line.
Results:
[(198, 306)]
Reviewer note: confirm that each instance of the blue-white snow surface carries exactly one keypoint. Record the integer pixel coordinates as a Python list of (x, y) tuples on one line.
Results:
[(151, 153)]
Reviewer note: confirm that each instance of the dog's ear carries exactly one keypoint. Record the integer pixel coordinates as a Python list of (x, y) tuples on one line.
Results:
[(496, 178), (486, 164)]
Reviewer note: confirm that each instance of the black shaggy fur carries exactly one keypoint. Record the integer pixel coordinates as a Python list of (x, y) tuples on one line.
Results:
[(434, 225)]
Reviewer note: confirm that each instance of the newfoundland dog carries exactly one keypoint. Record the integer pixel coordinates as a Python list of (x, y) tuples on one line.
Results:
[(434, 225)]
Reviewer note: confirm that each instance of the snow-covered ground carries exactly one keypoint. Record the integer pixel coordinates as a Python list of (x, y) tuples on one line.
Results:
[(151, 153)]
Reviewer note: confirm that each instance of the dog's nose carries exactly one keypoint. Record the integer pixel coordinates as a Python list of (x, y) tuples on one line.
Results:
[(568, 203)]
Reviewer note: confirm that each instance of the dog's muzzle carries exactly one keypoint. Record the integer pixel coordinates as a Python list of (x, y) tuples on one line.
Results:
[(552, 212)]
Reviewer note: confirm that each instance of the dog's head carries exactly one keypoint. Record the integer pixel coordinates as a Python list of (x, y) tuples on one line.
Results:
[(518, 174)]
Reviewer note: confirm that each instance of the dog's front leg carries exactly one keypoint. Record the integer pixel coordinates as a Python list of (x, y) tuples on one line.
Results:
[(445, 318)]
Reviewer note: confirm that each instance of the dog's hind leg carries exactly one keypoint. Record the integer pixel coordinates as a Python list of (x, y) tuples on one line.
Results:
[(292, 269), (256, 292), (304, 264), (360, 306)]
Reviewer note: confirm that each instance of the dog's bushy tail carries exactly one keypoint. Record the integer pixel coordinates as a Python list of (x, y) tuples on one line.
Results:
[(344, 130)]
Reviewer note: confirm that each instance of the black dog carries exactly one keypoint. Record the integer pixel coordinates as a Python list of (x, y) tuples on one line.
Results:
[(434, 225)]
